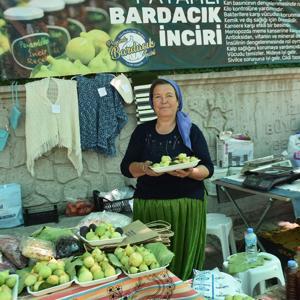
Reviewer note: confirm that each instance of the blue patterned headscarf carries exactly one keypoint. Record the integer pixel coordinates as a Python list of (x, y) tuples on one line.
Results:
[(183, 121)]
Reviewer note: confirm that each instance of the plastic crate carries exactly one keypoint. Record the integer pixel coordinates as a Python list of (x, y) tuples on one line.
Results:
[(35, 216), (120, 206)]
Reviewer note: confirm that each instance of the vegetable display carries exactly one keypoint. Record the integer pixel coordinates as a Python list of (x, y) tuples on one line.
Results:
[(181, 158)]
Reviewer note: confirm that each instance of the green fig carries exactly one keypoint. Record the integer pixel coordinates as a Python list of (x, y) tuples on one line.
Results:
[(85, 276), (39, 265), (30, 280), (91, 236), (88, 262), (133, 270), (11, 281), (98, 274), (59, 272), (53, 279), (129, 250), (97, 37), (119, 252), (115, 235), (60, 264), (135, 259), (36, 286), (44, 72), (3, 276), (80, 48), (53, 265), (64, 278), (5, 288), (82, 69), (94, 268), (143, 268), (45, 272), (5, 295), (109, 271), (149, 259), (97, 64), (154, 265), (61, 66)]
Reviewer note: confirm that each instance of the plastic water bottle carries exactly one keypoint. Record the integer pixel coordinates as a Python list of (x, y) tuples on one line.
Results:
[(291, 280), (251, 245)]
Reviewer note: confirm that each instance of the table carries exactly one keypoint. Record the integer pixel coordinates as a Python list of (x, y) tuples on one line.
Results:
[(162, 285), (232, 184)]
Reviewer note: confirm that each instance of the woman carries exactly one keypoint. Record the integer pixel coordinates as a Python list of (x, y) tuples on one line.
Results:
[(178, 196)]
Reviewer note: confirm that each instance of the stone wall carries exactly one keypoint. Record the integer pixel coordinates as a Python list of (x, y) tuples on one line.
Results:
[(263, 103)]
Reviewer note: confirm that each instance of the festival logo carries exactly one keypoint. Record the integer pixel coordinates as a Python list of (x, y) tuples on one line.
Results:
[(132, 48)]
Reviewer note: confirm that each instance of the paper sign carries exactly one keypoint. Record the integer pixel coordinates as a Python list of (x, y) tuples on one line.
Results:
[(102, 91), (138, 232), (56, 108)]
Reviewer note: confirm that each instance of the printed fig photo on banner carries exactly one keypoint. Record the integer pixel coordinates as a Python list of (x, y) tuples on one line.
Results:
[(63, 37)]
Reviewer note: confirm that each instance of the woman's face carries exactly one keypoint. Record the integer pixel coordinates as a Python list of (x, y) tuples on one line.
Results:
[(165, 103)]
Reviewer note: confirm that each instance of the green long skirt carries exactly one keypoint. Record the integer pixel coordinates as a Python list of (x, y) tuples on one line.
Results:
[(188, 219)]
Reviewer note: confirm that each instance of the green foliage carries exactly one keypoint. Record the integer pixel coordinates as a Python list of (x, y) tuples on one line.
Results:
[(71, 265), (163, 255), (22, 276)]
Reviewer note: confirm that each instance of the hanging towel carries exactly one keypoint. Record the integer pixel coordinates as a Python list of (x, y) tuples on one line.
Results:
[(101, 113), (52, 120), (144, 111)]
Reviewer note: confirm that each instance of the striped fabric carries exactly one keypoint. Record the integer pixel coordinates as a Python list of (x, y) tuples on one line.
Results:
[(163, 285), (144, 112)]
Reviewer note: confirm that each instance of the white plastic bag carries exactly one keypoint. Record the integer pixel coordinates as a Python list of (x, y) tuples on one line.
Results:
[(116, 219), (294, 149), (11, 214), (125, 192), (215, 284)]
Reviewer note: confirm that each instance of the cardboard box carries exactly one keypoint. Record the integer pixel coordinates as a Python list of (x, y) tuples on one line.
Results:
[(233, 152)]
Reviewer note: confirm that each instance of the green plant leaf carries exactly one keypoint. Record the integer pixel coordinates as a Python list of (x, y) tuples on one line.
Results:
[(22, 275), (163, 255), (114, 260), (70, 265)]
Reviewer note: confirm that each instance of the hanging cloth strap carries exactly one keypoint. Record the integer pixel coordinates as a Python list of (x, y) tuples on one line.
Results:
[(15, 113)]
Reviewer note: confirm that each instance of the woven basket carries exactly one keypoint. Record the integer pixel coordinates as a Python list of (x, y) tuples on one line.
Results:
[(163, 228)]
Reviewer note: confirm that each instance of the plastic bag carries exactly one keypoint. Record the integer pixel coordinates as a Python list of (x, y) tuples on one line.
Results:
[(51, 234), (5, 264), (294, 149), (80, 207), (11, 205), (68, 246), (118, 194), (213, 284), (10, 248), (37, 249), (116, 219)]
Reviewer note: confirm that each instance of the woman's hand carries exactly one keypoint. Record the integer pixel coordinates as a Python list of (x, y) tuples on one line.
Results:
[(198, 173), (181, 173), (138, 169), (148, 171)]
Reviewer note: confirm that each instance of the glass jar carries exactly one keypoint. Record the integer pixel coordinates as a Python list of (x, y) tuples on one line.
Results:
[(29, 40), (56, 20), (97, 15), (5, 4), (76, 14)]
